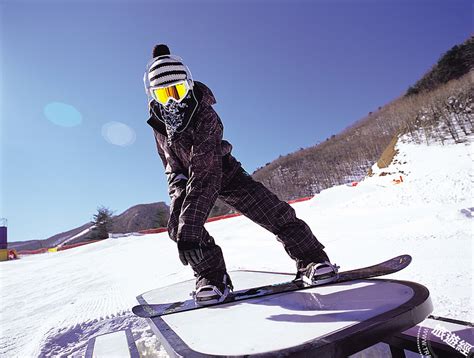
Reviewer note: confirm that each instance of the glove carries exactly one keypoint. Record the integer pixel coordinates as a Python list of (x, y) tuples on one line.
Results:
[(190, 253)]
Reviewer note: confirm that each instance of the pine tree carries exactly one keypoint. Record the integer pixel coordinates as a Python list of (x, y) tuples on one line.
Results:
[(102, 221)]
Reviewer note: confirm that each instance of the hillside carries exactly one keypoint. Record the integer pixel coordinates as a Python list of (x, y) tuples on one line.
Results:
[(347, 156), (53, 241), (141, 217), (136, 218), (454, 64)]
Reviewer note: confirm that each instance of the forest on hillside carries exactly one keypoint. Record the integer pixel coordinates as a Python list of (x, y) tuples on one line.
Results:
[(454, 64), (347, 157), (440, 104)]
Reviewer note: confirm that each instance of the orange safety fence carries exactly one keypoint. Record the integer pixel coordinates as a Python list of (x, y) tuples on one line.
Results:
[(300, 199), (33, 252), (153, 231)]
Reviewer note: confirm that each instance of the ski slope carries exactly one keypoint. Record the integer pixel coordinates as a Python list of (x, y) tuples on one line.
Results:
[(52, 304)]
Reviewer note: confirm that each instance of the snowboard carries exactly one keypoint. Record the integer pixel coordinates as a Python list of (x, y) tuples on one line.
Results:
[(384, 268)]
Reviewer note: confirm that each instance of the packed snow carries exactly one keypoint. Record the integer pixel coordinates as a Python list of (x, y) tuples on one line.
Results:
[(53, 303)]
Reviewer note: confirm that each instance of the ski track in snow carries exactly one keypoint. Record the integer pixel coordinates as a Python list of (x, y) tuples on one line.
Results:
[(53, 303)]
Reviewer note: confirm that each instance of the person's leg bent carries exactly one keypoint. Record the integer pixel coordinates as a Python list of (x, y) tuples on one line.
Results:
[(259, 204)]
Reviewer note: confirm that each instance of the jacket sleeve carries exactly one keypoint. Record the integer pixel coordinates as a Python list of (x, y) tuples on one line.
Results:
[(161, 152), (204, 177), (174, 172), (176, 189)]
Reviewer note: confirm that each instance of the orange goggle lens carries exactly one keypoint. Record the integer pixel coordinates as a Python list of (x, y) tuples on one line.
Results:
[(177, 91)]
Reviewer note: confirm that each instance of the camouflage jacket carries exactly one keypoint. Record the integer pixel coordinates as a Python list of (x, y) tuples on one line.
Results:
[(197, 164)]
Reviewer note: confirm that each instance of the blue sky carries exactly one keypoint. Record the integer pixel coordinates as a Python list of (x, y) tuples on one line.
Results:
[(286, 74)]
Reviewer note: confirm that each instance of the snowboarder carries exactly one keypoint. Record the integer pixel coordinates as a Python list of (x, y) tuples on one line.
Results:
[(200, 168)]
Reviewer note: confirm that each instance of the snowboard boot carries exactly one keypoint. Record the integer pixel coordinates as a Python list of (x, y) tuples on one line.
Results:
[(318, 271), (212, 288)]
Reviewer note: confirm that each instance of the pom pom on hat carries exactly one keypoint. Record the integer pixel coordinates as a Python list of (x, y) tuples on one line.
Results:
[(160, 50)]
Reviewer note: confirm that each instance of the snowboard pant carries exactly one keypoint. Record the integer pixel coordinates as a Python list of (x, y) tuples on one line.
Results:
[(255, 201)]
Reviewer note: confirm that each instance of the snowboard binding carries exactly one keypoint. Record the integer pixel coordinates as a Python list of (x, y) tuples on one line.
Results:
[(212, 294), (320, 273)]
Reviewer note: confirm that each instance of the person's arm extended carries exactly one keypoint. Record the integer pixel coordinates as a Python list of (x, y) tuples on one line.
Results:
[(177, 181)]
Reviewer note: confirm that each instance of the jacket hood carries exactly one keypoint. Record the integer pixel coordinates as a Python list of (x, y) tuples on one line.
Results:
[(204, 94)]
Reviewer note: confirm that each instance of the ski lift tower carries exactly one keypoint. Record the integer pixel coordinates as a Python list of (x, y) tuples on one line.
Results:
[(3, 240)]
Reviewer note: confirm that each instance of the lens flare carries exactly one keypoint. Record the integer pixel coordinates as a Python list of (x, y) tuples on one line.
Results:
[(118, 133), (62, 114)]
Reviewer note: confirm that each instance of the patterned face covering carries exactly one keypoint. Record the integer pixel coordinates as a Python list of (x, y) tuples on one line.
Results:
[(177, 116)]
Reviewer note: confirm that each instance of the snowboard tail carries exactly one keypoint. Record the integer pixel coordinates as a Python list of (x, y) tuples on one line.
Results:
[(384, 268)]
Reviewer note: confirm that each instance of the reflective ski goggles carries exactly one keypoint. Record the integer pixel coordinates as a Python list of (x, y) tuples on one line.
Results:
[(176, 91)]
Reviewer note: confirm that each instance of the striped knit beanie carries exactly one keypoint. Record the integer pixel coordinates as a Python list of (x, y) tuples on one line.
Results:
[(166, 69)]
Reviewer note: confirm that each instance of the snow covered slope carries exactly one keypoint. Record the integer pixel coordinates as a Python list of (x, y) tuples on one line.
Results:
[(51, 304)]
